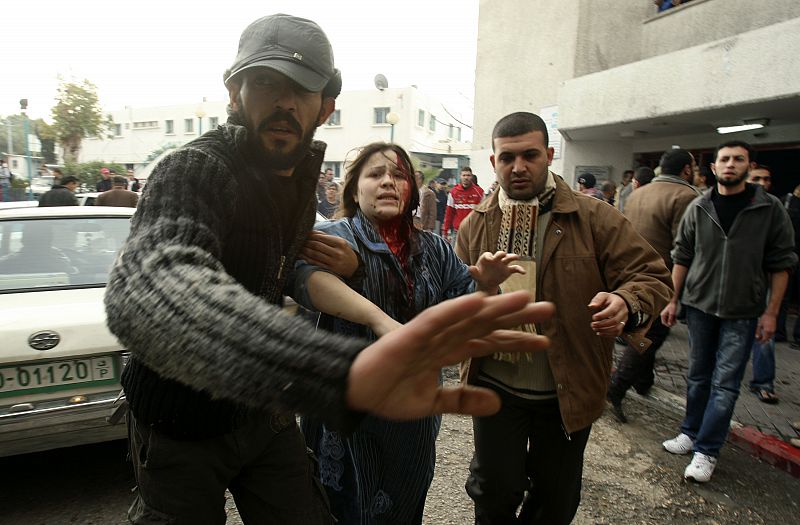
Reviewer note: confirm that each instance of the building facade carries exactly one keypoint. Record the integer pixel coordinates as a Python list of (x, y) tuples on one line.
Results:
[(622, 83), (423, 125)]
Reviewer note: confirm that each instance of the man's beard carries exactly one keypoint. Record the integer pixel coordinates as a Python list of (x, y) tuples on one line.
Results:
[(274, 158), (732, 182)]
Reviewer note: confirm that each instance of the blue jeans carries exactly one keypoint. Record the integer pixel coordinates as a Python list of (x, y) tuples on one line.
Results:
[(718, 354), (792, 292), (763, 366)]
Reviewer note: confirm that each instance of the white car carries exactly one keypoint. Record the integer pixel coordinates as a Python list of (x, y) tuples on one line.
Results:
[(42, 184), (87, 198), (18, 204), (59, 364)]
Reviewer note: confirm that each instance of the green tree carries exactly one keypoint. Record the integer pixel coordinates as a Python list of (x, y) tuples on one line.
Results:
[(47, 137), (77, 115), (88, 173), (15, 122), (161, 149)]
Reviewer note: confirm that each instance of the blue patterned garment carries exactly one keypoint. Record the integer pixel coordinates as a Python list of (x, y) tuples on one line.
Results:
[(382, 472)]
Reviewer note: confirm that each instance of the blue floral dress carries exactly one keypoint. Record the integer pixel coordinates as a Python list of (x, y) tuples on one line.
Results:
[(381, 473)]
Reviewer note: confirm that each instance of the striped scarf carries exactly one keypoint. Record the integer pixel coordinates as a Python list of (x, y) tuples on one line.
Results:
[(518, 235)]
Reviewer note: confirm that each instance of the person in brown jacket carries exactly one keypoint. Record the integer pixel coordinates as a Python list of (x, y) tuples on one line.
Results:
[(655, 210), (604, 279), (425, 218), (118, 195)]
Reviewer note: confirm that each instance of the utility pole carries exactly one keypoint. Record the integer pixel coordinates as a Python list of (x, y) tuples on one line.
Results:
[(10, 136), (23, 106)]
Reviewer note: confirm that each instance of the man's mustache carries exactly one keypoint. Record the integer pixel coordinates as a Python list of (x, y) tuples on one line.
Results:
[(281, 116)]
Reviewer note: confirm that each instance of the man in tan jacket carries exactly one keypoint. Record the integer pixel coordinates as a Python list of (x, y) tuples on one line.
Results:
[(118, 195), (655, 210), (604, 279), (425, 218)]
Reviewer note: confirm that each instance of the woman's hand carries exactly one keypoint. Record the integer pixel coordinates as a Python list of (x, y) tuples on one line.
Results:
[(492, 269)]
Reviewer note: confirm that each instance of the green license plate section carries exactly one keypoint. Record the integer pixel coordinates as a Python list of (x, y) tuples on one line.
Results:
[(52, 376)]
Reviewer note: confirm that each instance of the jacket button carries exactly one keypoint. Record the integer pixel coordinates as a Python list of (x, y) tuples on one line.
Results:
[(558, 232), (560, 386), (641, 344)]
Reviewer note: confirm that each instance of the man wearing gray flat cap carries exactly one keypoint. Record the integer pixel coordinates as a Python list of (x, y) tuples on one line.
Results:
[(217, 369)]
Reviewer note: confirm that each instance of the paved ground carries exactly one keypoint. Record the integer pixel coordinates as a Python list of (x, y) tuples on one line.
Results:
[(773, 420), (629, 479), (760, 429)]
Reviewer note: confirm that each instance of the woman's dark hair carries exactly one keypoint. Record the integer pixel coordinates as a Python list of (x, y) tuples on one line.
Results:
[(349, 206)]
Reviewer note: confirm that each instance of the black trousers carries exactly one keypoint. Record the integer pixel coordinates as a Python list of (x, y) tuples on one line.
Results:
[(524, 456), (264, 464), (635, 369)]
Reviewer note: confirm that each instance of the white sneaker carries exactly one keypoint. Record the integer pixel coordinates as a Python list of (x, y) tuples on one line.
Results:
[(680, 445), (701, 468)]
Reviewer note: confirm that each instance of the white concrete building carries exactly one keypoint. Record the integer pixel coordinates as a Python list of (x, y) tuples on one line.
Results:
[(424, 127), (624, 83)]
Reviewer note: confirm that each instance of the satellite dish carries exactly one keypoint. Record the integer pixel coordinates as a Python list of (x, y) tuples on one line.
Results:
[(380, 82)]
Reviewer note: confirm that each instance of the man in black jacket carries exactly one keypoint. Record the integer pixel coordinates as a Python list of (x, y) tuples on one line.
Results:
[(62, 194), (734, 244), (104, 184), (217, 369)]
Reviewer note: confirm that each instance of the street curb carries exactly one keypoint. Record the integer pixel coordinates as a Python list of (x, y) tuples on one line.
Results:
[(767, 448)]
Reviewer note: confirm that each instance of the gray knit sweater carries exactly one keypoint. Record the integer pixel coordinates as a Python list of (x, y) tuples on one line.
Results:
[(195, 296)]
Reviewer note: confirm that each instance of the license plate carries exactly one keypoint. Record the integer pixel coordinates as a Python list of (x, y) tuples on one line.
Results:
[(57, 375)]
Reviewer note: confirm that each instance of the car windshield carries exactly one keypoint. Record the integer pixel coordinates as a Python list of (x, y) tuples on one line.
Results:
[(59, 253)]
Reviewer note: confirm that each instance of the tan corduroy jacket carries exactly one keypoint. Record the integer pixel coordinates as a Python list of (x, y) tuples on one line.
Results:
[(427, 211), (656, 209), (118, 197), (589, 247)]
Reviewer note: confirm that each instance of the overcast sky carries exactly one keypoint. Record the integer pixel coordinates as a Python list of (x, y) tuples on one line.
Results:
[(148, 53)]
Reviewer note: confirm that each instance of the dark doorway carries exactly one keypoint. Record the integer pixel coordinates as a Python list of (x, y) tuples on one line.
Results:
[(784, 165), (783, 161)]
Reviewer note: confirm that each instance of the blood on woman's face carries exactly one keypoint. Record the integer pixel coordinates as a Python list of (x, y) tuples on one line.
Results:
[(383, 188)]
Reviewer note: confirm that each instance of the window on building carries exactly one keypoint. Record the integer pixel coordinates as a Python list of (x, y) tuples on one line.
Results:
[(144, 124), (458, 134), (421, 118), (14, 164), (335, 119), (432, 123), (188, 125), (450, 131), (117, 130), (380, 115), (213, 122), (169, 126), (127, 125)]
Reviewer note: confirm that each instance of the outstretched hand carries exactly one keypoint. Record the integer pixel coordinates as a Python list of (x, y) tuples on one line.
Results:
[(397, 377), (493, 268)]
